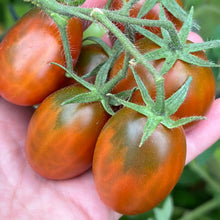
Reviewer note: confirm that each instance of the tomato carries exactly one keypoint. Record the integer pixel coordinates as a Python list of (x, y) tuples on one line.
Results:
[(90, 56), (153, 14), (132, 179), (61, 138), (27, 76), (201, 92)]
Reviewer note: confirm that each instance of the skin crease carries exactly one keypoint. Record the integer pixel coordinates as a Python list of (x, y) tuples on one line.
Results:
[(25, 195)]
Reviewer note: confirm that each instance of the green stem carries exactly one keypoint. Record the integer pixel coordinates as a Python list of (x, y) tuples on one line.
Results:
[(129, 47), (204, 175), (203, 209), (62, 25), (85, 13), (121, 75)]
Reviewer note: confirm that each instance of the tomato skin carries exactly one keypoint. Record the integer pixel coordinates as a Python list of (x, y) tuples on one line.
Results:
[(153, 14), (132, 180), (25, 55), (201, 92), (90, 56), (61, 138)]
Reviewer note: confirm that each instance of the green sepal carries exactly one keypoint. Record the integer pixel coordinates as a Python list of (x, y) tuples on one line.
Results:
[(169, 123), (157, 54), (149, 128), (148, 34), (175, 101), (173, 7), (83, 98), (125, 95), (77, 78), (102, 74), (142, 109), (94, 71), (164, 32), (121, 75), (186, 28), (194, 47), (144, 92), (146, 7), (168, 64), (190, 58), (106, 106)]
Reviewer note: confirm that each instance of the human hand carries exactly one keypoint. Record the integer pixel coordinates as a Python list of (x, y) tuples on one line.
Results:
[(25, 195)]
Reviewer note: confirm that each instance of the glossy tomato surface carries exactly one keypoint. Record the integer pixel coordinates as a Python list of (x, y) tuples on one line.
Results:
[(153, 14), (61, 138), (27, 50), (90, 56), (132, 179), (201, 92)]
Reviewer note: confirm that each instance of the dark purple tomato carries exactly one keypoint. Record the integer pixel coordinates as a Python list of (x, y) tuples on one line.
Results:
[(132, 179), (61, 138)]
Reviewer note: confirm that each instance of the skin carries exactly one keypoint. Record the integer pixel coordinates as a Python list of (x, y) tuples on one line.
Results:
[(25, 195)]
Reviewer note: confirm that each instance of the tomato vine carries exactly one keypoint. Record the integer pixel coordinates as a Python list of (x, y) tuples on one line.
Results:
[(173, 47)]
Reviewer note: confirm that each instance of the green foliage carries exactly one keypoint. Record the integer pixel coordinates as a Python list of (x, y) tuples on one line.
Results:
[(9, 9)]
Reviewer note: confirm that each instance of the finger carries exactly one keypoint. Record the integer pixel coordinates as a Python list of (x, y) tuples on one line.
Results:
[(205, 134), (94, 3)]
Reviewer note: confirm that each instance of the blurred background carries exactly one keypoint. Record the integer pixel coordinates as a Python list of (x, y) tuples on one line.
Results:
[(197, 194)]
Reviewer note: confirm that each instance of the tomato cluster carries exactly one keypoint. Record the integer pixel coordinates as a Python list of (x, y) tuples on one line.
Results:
[(65, 140), (201, 92)]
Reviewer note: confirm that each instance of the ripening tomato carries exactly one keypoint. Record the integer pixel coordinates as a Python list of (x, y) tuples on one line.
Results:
[(27, 50), (132, 179), (61, 138), (201, 92), (153, 14), (90, 56)]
